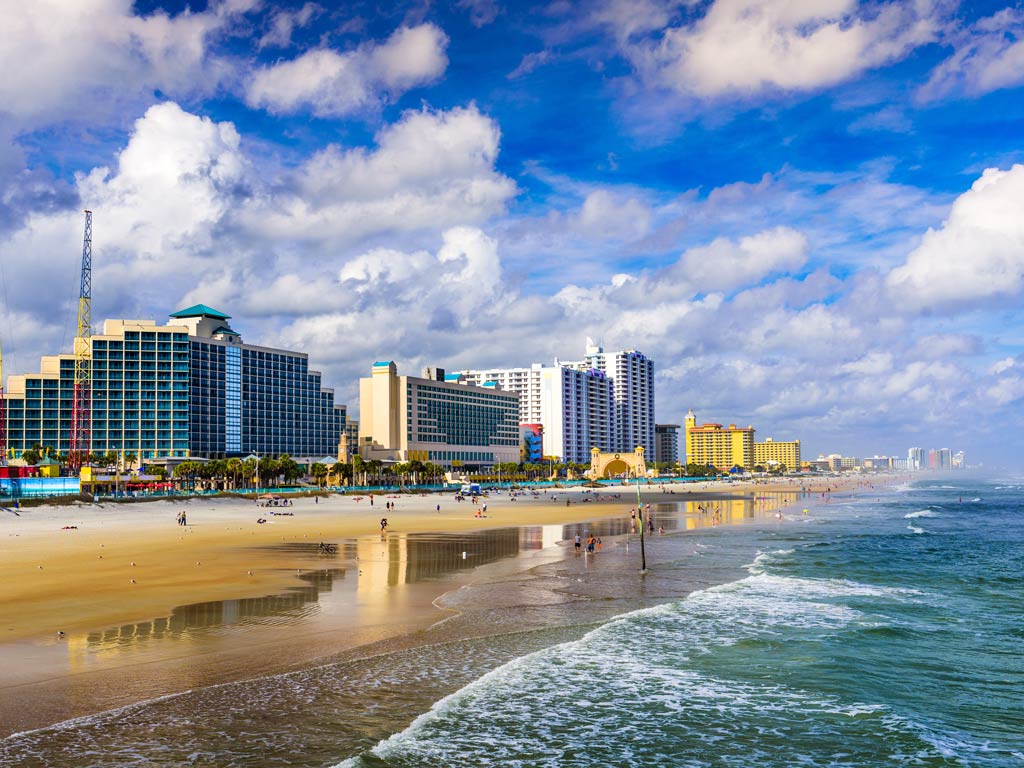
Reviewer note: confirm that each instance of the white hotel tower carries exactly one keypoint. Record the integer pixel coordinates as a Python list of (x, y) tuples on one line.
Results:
[(632, 374), (604, 401)]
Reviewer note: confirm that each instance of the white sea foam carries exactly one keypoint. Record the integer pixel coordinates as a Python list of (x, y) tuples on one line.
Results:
[(765, 559), (921, 513), (489, 721), (914, 528)]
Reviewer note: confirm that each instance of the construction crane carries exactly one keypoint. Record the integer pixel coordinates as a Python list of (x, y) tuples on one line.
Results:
[(81, 407), (3, 413)]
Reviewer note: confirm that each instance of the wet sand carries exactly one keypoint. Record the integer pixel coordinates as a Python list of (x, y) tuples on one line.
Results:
[(126, 641)]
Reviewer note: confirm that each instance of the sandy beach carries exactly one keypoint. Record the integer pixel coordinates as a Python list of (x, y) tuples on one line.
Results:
[(81, 585)]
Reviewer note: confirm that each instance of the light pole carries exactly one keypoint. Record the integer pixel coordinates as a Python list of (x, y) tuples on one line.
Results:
[(640, 515)]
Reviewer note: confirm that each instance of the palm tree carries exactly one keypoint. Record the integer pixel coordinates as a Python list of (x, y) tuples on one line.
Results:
[(186, 471), (234, 468), (359, 468), (269, 469), (374, 467), (249, 471), (400, 470), (416, 469), (319, 472), (289, 468), (340, 472)]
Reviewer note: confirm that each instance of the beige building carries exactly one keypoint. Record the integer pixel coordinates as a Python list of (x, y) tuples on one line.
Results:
[(436, 418), (717, 446), (770, 454)]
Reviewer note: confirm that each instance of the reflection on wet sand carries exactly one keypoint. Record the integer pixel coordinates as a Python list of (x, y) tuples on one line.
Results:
[(296, 603), (385, 566), (705, 514), (382, 566)]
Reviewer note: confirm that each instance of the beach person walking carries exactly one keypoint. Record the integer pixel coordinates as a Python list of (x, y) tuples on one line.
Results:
[(183, 520), (577, 543), (590, 544), (371, 499), (383, 524), (439, 509)]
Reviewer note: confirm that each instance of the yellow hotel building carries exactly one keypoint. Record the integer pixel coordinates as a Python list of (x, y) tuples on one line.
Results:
[(771, 453), (718, 446)]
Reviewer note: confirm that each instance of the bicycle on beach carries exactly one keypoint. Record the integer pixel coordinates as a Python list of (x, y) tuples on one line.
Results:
[(327, 549)]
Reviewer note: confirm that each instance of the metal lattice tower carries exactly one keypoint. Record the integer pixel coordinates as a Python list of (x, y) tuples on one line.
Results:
[(81, 409), (3, 413)]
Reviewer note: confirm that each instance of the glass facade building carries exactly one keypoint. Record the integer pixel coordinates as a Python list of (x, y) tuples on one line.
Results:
[(191, 388)]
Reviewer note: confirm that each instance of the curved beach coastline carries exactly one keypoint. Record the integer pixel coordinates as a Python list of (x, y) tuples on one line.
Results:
[(148, 608)]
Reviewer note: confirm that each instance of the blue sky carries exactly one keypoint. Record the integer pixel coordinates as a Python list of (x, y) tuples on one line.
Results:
[(810, 213)]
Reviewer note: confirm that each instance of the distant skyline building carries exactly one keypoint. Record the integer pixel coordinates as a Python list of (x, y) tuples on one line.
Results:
[(188, 388), (436, 418), (916, 459), (718, 446), (666, 443), (935, 459)]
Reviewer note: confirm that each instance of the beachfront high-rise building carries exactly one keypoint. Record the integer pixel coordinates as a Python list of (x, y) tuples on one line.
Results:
[(632, 375), (720, 447), (575, 407), (771, 453), (436, 418), (915, 459), (189, 388), (666, 443)]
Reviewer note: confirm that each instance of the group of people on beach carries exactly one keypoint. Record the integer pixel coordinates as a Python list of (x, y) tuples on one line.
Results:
[(181, 519), (650, 520), (594, 543)]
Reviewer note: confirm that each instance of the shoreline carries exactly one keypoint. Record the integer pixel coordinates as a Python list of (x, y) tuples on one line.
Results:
[(379, 613)]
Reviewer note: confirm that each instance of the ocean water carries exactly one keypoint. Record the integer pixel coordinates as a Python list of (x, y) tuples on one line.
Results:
[(889, 633), (886, 629)]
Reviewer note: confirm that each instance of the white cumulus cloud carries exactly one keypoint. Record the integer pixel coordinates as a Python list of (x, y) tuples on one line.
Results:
[(429, 170), (60, 55), (724, 264), (331, 84), (977, 254), (746, 46)]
